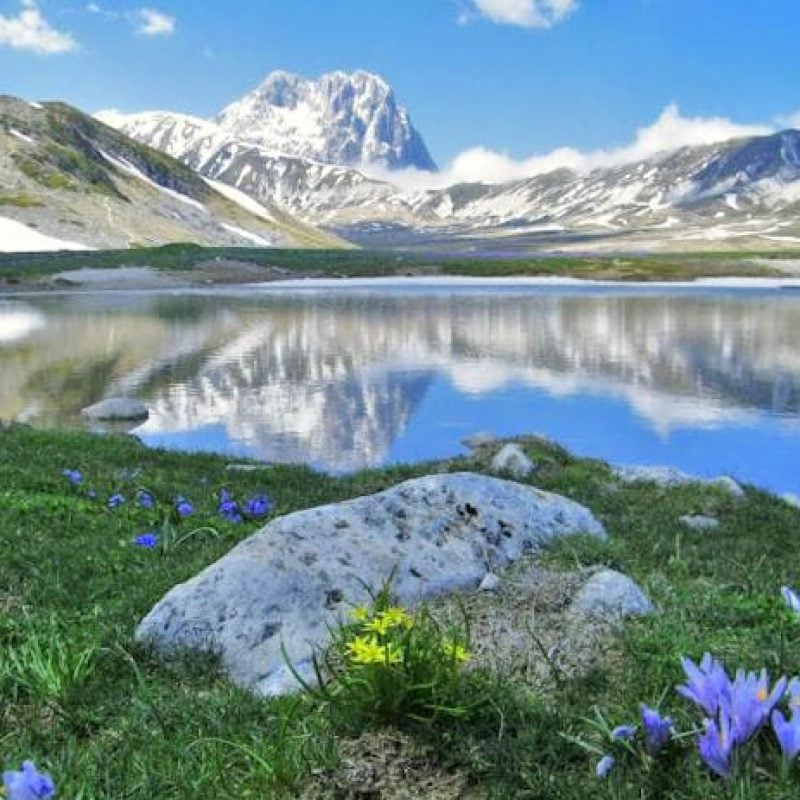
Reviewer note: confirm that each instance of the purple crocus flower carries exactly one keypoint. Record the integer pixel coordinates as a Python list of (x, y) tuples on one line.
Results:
[(716, 745), (791, 599), (708, 684), (788, 734), (751, 703), (146, 540), (604, 766), (258, 506), (145, 499), (229, 508), (74, 476), (183, 507), (793, 691), (115, 501), (28, 783), (622, 733), (657, 729)]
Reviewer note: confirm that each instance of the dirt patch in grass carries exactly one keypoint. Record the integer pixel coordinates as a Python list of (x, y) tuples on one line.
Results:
[(388, 765), (527, 631)]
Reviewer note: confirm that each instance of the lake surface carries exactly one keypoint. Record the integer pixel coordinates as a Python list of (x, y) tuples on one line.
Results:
[(345, 377)]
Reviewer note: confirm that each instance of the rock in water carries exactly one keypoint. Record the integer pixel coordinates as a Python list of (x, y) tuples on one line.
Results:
[(117, 408), (512, 460), (285, 585)]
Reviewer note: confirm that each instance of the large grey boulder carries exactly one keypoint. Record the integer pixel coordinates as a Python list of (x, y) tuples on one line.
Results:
[(669, 477), (512, 460), (117, 409), (610, 595), (285, 585)]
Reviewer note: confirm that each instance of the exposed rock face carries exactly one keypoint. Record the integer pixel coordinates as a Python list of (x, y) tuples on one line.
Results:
[(669, 476), (512, 460), (286, 584), (611, 595), (339, 119), (117, 408)]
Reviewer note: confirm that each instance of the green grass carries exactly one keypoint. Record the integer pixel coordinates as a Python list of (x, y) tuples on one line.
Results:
[(19, 201), (365, 263), (110, 721)]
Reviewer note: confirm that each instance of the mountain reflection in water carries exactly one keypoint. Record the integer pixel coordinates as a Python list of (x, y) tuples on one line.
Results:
[(706, 380)]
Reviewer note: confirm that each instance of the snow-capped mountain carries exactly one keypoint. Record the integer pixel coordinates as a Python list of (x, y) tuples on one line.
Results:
[(345, 119), (303, 146)]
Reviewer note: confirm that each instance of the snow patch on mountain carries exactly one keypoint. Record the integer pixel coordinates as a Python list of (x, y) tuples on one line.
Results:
[(16, 237)]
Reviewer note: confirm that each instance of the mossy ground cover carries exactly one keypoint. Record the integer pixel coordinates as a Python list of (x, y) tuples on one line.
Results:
[(108, 720), (15, 267)]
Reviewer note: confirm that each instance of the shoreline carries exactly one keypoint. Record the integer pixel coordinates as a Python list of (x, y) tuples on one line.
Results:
[(184, 267), (156, 283)]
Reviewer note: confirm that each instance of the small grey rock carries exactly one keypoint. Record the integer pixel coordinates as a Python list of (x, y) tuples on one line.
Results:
[(512, 460), (700, 522), (284, 587), (117, 408), (729, 485), (477, 440), (490, 583), (248, 467), (669, 476), (611, 596)]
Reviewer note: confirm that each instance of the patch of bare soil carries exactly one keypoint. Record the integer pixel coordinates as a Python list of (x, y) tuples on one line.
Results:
[(527, 631), (388, 765)]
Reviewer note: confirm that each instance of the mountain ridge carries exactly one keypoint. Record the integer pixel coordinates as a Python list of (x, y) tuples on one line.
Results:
[(68, 181)]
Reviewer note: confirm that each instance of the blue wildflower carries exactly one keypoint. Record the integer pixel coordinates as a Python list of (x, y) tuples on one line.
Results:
[(115, 501), (708, 684), (258, 506), (28, 783), (716, 745), (229, 508), (657, 729), (74, 476), (183, 507), (604, 766), (751, 703), (793, 690), (147, 540), (623, 733), (791, 599), (145, 499), (788, 734), (92, 494)]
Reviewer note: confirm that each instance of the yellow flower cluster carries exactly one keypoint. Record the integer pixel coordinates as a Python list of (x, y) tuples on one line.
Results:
[(456, 651), (367, 650), (383, 621)]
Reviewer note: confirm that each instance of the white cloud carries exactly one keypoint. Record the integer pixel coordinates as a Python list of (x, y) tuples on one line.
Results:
[(526, 13), (152, 22), (790, 121), (669, 132), (29, 30)]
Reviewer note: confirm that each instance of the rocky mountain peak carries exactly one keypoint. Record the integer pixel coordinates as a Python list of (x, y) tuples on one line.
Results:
[(339, 118)]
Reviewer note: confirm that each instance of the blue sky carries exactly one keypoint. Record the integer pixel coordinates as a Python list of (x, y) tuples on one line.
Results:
[(519, 77)]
